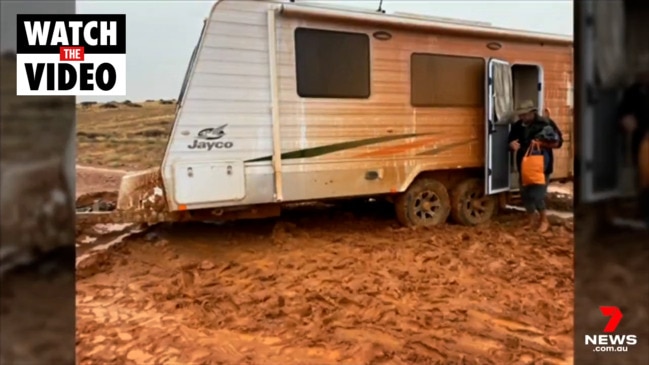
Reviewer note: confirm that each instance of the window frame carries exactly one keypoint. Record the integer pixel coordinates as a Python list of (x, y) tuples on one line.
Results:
[(484, 67), (365, 96)]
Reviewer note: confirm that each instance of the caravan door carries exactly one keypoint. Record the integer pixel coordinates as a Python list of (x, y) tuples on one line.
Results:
[(604, 172), (498, 104)]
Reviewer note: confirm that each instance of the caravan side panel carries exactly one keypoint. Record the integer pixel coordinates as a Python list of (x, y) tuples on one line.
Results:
[(374, 145), (327, 138), (225, 116)]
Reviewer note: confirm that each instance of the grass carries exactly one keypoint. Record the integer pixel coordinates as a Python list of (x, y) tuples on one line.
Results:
[(127, 135)]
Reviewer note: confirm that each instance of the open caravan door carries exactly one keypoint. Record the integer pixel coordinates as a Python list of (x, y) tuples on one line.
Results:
[(500, 98), (613, 47), (601, 68)]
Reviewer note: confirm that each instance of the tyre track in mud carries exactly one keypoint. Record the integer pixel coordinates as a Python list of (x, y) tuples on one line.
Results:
[(330, 286)]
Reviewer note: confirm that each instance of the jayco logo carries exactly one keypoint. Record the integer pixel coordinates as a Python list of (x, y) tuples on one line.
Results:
[(71, 54), (208, 139)]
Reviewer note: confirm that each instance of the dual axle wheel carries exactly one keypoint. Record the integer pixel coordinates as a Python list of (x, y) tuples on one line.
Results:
[(427, 203)]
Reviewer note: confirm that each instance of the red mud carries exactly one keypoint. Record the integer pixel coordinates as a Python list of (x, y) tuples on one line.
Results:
[(330, 287)]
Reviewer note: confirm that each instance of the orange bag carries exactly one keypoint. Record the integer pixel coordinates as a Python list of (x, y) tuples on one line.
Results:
[(643, 162), (533, 166)]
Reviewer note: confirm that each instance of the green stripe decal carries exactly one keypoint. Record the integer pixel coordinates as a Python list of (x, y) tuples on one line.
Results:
[(323, 150)]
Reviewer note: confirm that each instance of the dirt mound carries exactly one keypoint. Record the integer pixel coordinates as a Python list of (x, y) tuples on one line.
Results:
[(330, 286), (89, 199)]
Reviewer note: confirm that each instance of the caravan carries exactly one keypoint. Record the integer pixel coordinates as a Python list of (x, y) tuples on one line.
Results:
[(285, 102)]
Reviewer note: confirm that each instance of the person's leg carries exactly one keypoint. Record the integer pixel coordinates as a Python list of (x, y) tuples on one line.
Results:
[(532, 193), (528, 203), (544, 224)]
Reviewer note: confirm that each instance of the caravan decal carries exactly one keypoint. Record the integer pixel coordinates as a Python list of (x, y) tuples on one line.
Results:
[(336, 147), (212, 133), (208, 146), (398, 149), (205, 139), (447, 147)]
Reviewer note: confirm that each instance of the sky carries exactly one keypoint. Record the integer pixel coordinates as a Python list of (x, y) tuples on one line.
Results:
[(162, 34)]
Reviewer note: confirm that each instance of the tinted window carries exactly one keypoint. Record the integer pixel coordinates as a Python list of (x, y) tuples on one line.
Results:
[(332, 64), (447, 81)]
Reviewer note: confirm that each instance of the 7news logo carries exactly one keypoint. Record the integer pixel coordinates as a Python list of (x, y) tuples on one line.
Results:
[(608, 341), (71, 54)]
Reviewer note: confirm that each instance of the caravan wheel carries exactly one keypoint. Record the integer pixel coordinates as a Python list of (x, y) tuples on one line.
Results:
[(426, 203), (469, 204)]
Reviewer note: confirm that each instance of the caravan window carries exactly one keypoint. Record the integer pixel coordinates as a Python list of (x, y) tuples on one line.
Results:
[(331, 64), (446, 81)]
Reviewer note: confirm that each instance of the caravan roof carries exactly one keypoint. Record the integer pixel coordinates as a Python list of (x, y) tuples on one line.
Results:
[(416, 22)]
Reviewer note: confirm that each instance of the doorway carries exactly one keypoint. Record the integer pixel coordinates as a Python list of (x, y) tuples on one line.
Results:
[(507, 86), (527, 83)]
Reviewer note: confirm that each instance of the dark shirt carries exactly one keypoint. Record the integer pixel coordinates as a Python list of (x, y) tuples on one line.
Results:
[(636, 102), (525, 134)]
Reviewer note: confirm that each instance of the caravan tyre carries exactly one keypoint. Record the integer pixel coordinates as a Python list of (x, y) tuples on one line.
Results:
[(469, 204), (426, 203)]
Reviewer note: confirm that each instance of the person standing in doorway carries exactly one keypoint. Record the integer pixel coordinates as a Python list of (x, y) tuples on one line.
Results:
[(532, 127), (634, 118)]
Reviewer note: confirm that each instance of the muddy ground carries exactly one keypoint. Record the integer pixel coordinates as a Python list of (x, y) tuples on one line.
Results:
[(328, 285)]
